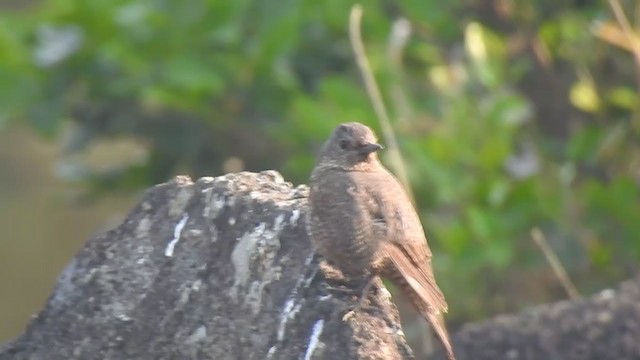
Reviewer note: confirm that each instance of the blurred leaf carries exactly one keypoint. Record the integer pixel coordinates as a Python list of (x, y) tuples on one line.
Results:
[(584, 96), (584, 143), (487, 52), (437, 16), (624, 97), (601, 254), (481, 223), (185, 73), (499, 254), (565, 35)]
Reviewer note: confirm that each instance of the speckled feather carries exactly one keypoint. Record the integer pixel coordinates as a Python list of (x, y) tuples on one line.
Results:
[(362, 221)]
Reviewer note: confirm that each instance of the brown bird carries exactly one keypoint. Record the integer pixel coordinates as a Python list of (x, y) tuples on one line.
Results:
[(361, 220)]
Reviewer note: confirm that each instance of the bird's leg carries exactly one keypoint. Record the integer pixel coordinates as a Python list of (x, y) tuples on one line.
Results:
[(347, 286), (336, 280), (363, 297)]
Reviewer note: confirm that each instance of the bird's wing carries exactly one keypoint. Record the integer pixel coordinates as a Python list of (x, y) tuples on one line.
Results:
[(396, 220), (404, 244), (426, 296)]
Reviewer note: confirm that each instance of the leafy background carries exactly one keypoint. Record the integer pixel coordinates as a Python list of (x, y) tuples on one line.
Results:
[(510, 115)]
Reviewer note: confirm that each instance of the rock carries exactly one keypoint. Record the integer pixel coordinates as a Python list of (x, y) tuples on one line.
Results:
[(217, 269), (605, 326)]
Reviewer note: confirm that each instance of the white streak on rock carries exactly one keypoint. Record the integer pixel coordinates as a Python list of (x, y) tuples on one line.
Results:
[(284, 318), (288, 313), (177, 232), (295, 215), (198, 335), (290, 307), (309, 259), (277, 223), (208, 193), (272, 351), (314, 339), (123, 317), (214, 203), (308, 280)]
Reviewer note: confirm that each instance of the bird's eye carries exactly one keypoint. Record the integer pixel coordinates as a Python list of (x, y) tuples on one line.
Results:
[(343, 144)]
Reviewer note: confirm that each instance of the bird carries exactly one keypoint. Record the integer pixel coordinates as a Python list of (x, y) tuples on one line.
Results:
[(362, 221)]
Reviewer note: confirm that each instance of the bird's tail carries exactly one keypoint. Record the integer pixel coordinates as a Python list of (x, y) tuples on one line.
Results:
[(423, 293), (437, 323)]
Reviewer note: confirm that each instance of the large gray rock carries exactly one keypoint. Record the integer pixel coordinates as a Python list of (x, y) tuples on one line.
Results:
[(217, 269)]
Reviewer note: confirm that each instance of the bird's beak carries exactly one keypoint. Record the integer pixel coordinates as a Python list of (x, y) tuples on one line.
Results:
[(369, 148)]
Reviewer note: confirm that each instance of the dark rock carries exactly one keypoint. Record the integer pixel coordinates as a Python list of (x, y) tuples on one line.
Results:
[(603, 327)]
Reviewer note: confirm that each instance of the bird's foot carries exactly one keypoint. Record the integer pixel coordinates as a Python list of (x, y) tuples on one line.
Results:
[(359, 307), (346, 289), (363, 297)]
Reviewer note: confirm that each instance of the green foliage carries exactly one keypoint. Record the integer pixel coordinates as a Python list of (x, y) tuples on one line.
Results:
[(196, 83)]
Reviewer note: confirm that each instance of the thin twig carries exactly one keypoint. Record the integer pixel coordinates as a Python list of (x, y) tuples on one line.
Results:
[(376, 98), (612, 34), (554, 262), (632, 37)]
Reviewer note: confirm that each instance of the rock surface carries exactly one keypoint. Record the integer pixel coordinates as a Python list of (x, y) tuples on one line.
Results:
[(605, 326), (217, 269)]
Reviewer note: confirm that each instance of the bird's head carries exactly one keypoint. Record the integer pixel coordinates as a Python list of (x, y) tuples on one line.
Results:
[(351, 146)]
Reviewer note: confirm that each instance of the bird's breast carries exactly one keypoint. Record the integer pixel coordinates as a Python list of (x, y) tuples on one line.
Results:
[(340, 228)]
